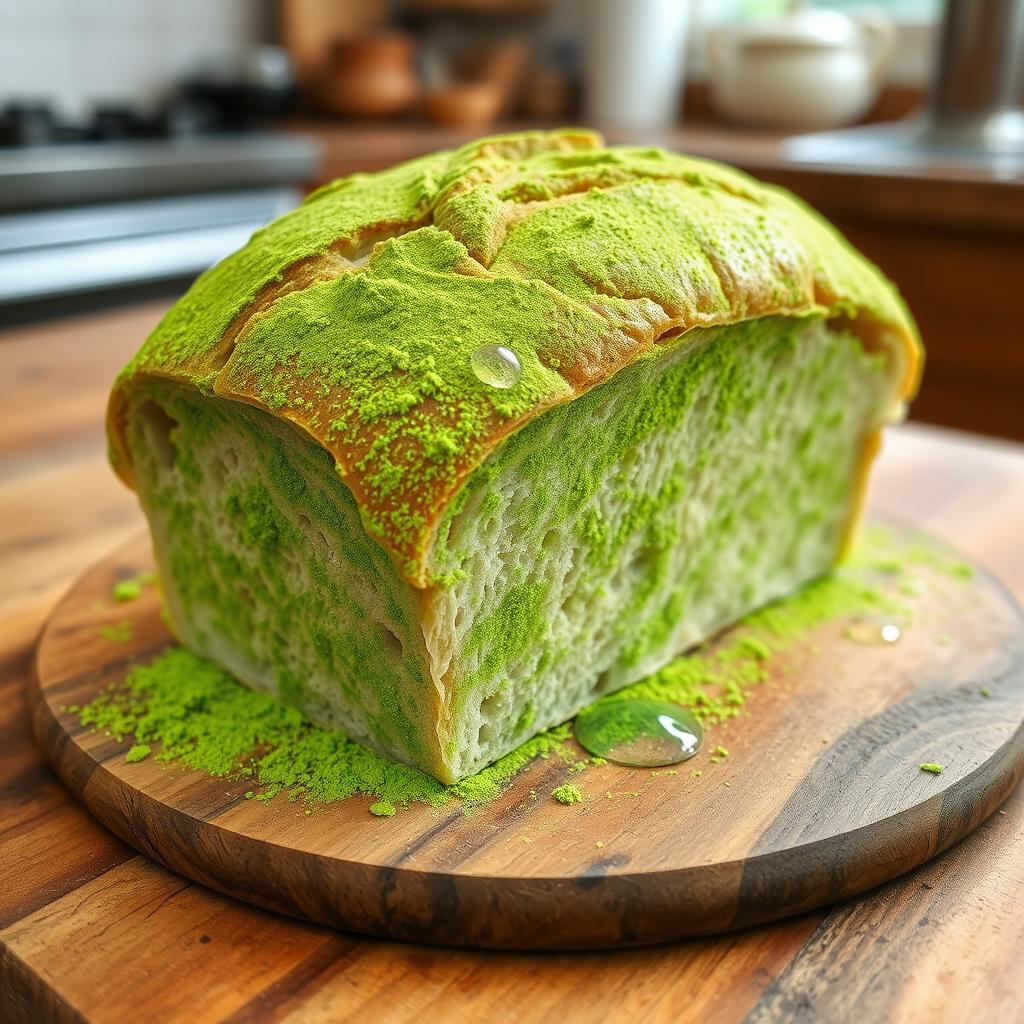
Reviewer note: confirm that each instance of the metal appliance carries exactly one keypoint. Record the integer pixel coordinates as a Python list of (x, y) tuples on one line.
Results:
[(137, 204), (975, 115)]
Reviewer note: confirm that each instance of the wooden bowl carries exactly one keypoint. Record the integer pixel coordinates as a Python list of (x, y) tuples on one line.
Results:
[(371, 77), (471, 104)]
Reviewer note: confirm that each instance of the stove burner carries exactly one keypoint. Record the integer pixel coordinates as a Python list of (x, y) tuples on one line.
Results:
[(37, 124)]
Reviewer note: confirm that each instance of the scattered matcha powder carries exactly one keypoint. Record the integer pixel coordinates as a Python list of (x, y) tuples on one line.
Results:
[(119, 633), (943, 560), (935, 769), (129, 589), (716, 683), (202, 719), (568, 794), (126, 590)]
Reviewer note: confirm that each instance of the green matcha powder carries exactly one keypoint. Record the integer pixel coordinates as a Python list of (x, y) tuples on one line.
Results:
[(184, 709)]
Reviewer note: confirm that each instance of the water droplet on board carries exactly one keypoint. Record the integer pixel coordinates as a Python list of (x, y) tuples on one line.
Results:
[(873, 632), (496, 365), (639, 733)]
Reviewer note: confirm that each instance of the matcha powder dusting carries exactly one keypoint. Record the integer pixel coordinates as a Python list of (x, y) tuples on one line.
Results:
[(202, 718), (182, 708), (568, 794)]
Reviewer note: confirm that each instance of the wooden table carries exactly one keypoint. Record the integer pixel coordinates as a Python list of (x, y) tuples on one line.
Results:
[(91, 930)]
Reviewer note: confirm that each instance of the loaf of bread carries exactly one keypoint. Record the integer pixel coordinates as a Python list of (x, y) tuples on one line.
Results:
[(454, 448)]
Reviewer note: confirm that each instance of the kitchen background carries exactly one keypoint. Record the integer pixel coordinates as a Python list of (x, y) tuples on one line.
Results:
[(141, 140)]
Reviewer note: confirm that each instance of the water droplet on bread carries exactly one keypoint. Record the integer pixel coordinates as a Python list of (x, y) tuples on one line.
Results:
[(496, 365)]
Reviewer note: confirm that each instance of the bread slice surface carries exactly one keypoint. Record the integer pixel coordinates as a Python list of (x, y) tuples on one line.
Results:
[(600, 540)]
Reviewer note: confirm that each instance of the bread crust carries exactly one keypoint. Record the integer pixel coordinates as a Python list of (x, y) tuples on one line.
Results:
[(525, 240)]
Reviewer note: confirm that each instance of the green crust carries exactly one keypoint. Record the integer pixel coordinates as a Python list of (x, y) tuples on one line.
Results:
[(339, 214), (576, 257), (418, 398)]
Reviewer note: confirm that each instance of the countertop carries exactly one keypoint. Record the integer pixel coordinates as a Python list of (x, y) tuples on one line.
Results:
[(943, 943)]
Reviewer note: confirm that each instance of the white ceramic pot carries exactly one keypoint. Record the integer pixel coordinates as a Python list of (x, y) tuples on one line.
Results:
[(811, 70)]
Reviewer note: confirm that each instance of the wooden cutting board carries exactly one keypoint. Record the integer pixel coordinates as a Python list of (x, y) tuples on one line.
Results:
[(820, 798)]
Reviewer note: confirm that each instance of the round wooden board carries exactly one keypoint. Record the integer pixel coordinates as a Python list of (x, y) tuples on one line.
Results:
[(821, 797)]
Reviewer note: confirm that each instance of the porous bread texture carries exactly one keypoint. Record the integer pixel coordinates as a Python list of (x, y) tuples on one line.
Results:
[(715, 473), (346, 515), (612, 534), (266, 569), (355, 317)]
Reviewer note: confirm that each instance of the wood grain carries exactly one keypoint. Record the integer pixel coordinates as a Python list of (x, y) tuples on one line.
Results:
[(821, 799), (871, 952)]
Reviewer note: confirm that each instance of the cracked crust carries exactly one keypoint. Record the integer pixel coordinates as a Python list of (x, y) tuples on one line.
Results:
[(580, 258)]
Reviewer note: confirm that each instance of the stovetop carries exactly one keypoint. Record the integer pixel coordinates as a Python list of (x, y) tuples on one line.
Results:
[(71, 174), (121, 153), (123, 201)]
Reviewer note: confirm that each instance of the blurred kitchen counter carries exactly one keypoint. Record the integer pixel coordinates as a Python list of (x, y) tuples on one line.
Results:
[(951, 237), (943, 943)]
